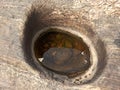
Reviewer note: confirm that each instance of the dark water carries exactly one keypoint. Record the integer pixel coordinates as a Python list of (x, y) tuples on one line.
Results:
[(57, 40), (62, 40)]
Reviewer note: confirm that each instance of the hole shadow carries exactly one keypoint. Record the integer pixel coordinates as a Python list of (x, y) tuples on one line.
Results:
[(34, 23)]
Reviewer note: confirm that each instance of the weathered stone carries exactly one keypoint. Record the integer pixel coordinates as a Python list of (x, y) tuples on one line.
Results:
[(16, 74)]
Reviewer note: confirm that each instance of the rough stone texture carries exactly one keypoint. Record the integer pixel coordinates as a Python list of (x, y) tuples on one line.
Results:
[(16, 74)]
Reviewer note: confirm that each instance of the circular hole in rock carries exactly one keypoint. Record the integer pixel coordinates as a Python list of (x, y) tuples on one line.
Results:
[(62, 53)]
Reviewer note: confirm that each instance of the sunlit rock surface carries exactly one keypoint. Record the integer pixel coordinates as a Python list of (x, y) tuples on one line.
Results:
[(16, 74)]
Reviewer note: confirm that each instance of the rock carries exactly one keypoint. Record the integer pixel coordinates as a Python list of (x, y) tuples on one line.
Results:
[(17, 74)]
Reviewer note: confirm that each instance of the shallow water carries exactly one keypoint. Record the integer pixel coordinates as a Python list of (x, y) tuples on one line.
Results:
[(63, 44), (57, 40)]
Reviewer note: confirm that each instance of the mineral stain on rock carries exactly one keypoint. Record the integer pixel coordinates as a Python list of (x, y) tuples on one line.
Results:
[(62, 53)]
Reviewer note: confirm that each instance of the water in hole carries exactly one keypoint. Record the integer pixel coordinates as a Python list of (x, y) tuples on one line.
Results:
[(63, 53)]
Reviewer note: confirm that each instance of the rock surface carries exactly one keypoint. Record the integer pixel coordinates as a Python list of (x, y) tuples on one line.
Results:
[(16, 74)]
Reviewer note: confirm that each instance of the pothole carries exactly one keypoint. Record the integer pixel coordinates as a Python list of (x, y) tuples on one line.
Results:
[(62, 49), (62, 52), (64, 56)]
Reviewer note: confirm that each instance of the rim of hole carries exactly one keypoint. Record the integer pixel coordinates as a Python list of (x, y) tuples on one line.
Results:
[(86, 40)]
